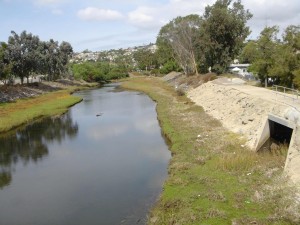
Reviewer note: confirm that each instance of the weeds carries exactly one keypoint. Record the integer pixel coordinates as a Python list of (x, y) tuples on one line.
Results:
[(237, 161), (213, 178)]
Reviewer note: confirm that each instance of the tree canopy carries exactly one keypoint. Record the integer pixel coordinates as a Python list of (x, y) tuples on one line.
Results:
[(26, 54), (5, 65), (98, 71), (275, 58), (224, 31), (212, 40), (181, 36)]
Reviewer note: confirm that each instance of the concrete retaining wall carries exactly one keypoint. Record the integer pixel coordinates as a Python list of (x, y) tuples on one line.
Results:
[(246, 110)]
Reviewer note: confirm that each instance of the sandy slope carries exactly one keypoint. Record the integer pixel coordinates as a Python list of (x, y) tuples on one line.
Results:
[(242, 108)]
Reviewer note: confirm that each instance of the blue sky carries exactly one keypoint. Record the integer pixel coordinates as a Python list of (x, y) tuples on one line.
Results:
[(105, 24)]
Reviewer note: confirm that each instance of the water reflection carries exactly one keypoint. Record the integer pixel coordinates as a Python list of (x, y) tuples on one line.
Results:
[(30, 143), (111, 173)]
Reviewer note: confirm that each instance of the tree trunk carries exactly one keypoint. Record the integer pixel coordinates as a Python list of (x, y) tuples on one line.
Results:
[(195, 64)]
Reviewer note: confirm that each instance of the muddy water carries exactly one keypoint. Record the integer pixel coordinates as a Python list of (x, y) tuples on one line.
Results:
[(104, 162)]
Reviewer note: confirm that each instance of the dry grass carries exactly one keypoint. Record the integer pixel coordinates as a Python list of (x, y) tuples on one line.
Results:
[(232, 162), (196, 80)]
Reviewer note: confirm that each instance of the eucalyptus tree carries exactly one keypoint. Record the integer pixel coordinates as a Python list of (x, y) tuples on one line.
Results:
[(224, 30), (53, 58), (22, 53), (28, 55), (165, 55), (66, 51), (179, 37), (5, 65)]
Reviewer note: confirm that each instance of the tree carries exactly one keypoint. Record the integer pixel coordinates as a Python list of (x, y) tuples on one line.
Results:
[(145, 59), (275, 58), (249, 52), (264, 51), (296, 74), (28, 56), (292, 41), (22, 53), (5, 65), (285, 59), (181, 34), (224, 31), (55, 58), (66, 51), (98, 71)]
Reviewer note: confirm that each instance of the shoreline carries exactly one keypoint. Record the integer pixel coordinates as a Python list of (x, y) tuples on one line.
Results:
[(56, 99), (213, 178)]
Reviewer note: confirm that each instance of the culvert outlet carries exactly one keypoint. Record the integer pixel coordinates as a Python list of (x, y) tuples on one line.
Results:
[(276, 129)]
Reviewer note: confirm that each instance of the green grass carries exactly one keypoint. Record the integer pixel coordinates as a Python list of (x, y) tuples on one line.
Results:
[(212, 178), (22, 111)]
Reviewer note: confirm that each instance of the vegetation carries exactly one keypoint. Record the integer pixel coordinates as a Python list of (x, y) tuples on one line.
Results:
[(98, 71), (26, 55), (224, 31), (5, 65), (209, 41), (274, 58), (213, 178), (145, 58), (23, 111), (182, 36)]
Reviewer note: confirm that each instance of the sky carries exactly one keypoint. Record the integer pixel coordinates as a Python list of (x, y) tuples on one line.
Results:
[(112, 24)]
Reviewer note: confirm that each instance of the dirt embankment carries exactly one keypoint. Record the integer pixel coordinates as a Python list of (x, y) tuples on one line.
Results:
[(12, 93)]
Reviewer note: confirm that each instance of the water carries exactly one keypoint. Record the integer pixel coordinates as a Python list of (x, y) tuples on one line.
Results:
[(85, 169)]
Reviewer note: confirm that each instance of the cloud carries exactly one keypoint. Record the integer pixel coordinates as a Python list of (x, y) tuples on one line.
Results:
[(155, 16), (49, 2), (276, 12), (270, 13), (265, 13), (97, 14), (145, 18)]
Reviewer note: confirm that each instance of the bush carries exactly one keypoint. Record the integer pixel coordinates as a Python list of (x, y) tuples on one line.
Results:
[(155, 72), (297, 78), (169, 67), (98, 71)]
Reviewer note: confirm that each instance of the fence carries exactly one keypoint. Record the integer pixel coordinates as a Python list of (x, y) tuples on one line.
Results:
[(286, 92)]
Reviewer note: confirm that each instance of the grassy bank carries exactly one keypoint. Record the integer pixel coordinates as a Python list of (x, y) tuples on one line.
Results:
[(22, 111), (213, 178)]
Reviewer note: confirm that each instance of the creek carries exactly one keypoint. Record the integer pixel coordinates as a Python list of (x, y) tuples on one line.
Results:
[(103, 162)]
